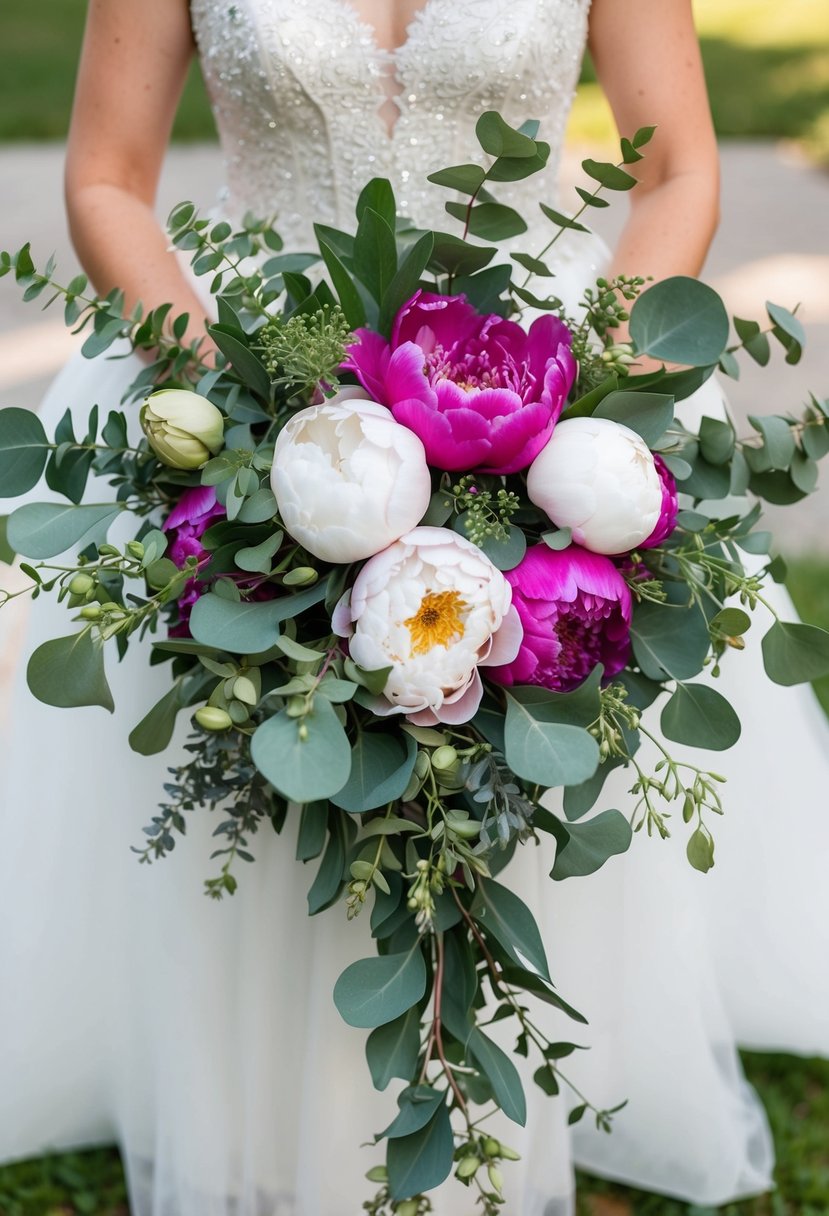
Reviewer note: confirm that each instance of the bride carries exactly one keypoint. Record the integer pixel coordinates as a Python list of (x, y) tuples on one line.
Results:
[(202, 1037)]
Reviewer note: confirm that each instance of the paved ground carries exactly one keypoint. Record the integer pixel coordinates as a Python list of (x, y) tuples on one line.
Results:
[(772, 244)]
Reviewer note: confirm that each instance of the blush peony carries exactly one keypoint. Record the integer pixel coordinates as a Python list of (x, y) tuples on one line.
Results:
[(434, 609)]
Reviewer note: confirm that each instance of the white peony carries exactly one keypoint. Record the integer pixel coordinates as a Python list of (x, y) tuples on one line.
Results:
[(599, 479), (434, 609), (184, 429), (348, 479)]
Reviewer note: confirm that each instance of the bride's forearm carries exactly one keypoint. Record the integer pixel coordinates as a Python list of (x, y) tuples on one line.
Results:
[(670, 228), (120, 244)]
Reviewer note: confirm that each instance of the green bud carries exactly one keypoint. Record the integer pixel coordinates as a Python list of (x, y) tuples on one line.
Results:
[(409, 1207), (80, 584), (211, 718), (378, 1173), (492, 1147), (444, 757), (468, 1167), (302, 576), (496, 1178), (302, 731), (135, 549), (509, 1154), (296, 707), (108, 551), (91, 612)]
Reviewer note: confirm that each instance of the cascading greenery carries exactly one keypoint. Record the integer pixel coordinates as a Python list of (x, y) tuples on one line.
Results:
[(412, 826)]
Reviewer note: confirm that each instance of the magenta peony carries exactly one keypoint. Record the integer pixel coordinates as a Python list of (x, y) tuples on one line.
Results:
[(188, 521), (670, 506), (575, 609), (478, 391)]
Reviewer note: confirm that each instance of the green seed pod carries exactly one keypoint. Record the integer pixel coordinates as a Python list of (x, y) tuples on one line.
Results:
[(444, 757), (80, 584), (91, 612), (496, 1178), (302, 576), (509, 1154), (468, 1167), (210, 718)]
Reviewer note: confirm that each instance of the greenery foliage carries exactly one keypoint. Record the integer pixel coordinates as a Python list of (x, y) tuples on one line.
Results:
[(417, 821)]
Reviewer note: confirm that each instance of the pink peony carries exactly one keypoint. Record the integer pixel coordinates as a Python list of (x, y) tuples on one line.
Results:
[(478, 391), (670, 506), (575, 609), (188, 521)]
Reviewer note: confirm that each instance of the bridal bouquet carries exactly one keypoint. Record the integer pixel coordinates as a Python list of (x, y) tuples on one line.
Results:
[(413, 559)]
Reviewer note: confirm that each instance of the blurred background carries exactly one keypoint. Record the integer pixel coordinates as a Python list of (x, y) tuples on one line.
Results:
[(767, 66)]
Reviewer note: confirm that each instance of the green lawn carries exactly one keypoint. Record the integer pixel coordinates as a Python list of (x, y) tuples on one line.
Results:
[(767, 67)]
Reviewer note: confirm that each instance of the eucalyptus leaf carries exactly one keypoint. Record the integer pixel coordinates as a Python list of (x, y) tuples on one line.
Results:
[(69, 672), (381, 765), (699, 716), (374, 991), (417, 1104), (45, 529), (500, 912), (502, 1075), (303, 767), (549, 754), (669, 641), (392, 1049), (794, 653), (419, 1162), (648, 414), (499, 139), (155, 730), (590, 843), (248, 627), (680, 320)]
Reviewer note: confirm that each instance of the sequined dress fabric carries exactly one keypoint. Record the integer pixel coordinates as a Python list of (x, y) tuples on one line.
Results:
[(298, 86), (203, 1037)]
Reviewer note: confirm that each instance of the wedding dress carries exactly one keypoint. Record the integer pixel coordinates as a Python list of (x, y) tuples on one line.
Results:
[(203, 1036)]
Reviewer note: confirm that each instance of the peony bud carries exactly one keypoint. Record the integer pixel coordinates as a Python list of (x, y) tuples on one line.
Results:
[(183, 428), (348, 479), (211, 718), (599, 479)]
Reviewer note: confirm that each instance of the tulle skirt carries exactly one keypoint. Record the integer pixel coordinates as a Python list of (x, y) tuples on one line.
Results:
[(203, 1037)]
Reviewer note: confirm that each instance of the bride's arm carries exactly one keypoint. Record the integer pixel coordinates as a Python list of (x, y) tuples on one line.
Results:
[(648, 63), (133, 65)]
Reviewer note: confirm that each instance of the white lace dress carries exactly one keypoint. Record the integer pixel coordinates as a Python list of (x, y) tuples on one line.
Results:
[(203, 1036)]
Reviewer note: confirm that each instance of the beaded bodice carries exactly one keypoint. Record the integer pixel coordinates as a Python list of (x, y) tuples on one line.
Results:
[(299, 87)]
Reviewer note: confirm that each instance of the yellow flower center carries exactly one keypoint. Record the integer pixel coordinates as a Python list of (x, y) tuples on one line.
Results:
[(437, 621)]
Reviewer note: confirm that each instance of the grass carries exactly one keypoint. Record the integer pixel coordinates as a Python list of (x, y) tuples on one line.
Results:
[(767, 66), (794, 1091)]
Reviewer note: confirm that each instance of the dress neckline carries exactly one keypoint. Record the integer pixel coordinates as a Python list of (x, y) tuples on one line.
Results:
[(391, 95), (391, 53)]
